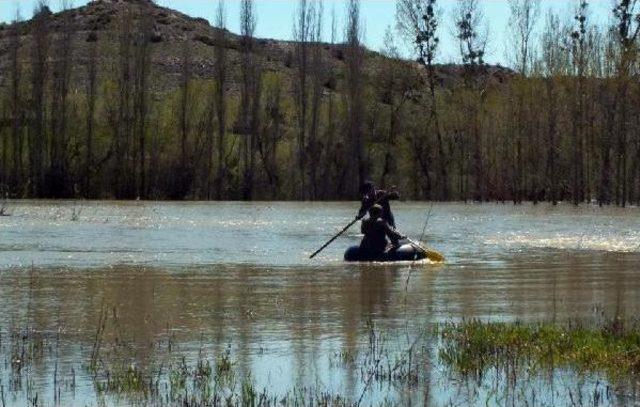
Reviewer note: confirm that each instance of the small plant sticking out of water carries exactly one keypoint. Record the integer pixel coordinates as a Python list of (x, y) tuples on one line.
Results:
[(126, 380), (4, 198), (75, 214), (178, 376), (224, 364)]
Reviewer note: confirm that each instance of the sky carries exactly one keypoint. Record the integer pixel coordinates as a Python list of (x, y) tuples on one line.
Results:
[(275, 19)]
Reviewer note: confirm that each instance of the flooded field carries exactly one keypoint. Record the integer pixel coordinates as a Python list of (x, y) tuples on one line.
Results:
[(128, 303)]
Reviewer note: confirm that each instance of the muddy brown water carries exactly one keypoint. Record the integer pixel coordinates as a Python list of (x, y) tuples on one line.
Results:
[(217, 276)]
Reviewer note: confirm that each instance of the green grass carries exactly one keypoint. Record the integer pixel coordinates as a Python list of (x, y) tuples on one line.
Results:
[(471, 347)]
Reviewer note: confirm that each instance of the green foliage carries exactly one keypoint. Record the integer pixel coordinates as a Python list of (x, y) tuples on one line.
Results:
[(472, 347)]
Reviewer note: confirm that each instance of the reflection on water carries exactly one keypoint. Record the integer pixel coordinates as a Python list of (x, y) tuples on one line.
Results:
[(210, 276)]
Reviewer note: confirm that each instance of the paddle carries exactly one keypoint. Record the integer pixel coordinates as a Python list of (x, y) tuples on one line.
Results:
[(431, 254), (335, 237)]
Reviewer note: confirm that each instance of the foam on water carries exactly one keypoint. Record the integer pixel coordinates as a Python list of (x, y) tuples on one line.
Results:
[(615, 243)]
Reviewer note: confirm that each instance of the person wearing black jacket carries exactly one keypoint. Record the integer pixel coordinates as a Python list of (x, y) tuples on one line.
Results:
[(376, 230), (370, 196)]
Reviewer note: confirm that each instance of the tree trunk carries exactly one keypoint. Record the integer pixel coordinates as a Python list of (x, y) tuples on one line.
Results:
[(92, 82), (37, 133), (16, 107)]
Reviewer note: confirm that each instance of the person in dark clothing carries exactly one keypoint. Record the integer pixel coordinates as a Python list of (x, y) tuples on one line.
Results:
[(376, 230), (371, 195)]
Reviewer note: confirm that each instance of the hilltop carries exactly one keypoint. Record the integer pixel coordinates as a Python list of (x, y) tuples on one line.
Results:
[(98, 22)]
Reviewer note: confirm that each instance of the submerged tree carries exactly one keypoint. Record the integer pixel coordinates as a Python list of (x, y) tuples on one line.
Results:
[(185, 167), (249, 123), (472, 41), (57, 180), (523, 18), (220, 69), (123, 123), (39, 74), (419, 21), (89, 190), (627, 20), (318, 78), (142, 63), (552, 64), (302, 33), (334, 170), (17, 114), (354, 60), (578, 59), (272, 132)]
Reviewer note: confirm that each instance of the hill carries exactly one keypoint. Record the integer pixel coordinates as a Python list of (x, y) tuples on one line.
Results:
[(98, 21)]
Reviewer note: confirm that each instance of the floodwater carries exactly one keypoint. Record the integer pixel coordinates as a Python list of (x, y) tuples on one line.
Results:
[(235, 277)]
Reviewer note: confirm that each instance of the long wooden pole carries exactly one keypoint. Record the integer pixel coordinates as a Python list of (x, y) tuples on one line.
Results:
[(335, 237)]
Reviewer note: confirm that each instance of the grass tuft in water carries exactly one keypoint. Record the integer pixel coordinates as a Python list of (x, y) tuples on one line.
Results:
[(471, 347), (127, 380)]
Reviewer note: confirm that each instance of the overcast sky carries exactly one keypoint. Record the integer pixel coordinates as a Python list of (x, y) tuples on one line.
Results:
[(275, 16)]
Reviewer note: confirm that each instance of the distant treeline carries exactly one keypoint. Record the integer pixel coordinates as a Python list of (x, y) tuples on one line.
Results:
[(563, 125)]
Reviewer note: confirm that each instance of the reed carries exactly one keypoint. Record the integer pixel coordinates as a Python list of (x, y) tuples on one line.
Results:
[(511, 357), (472, 347)]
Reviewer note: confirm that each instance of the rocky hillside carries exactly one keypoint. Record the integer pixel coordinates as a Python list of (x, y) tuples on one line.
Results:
[(101, 21)]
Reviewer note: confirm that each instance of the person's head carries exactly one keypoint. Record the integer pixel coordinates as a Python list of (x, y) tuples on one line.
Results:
[(375, 211), (366, 187)]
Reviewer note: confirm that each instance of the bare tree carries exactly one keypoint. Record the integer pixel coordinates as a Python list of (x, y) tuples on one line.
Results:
[(579, 62), (220, 99), (608, 99), (4, 120), (272, 132), (522, 21), (317, 81), (142, 62), (209, 130), (354, 60), (396, 82), (58, 175), (472, 39), (92, 90), (17, 113), (303, 31), (123, 125), (39, 73), (388, 85), (552, 60), (185, 169), (419, 21), (254, 127), (332, 182), (627, 19), (249, 95)]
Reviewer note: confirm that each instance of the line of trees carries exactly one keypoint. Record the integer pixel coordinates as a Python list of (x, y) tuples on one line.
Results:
[(563, 124), (563, 127)]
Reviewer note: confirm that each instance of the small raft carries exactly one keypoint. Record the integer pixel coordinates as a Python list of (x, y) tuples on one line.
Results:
[(406, 252)]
